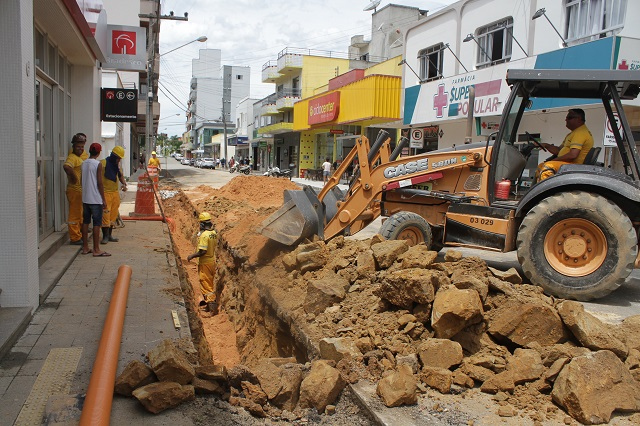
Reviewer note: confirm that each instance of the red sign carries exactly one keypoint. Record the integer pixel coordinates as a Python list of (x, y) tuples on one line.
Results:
[(324, 109), (123, 42), (336, 131)]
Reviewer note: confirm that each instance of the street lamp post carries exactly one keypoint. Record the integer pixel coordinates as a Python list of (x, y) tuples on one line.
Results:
[(149, 123)]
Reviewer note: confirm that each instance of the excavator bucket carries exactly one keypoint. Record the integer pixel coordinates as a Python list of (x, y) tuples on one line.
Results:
[(301, 216)]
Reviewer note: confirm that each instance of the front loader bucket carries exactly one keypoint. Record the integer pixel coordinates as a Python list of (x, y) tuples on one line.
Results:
[(301, 216)]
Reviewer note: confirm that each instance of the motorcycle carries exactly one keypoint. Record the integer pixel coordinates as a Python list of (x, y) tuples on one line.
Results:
[(246, 169), (276, 172)]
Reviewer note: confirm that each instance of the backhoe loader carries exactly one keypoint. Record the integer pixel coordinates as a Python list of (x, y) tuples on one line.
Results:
[(576, 233)]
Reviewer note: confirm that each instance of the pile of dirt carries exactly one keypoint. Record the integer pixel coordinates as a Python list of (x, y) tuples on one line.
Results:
[(406, 320)]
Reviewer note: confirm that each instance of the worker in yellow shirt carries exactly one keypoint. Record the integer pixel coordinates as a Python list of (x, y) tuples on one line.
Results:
[(154, 161), (574, 149), (206, 254), (72, 167), (112, 174)]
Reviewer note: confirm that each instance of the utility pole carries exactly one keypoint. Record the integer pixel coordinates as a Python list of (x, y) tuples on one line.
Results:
[(151, 57)]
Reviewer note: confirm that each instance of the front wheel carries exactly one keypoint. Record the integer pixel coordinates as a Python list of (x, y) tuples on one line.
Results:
[(407, 226), (246, 172), (577, 245)]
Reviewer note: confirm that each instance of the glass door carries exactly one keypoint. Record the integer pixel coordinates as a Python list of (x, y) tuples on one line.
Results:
[(44, 158)]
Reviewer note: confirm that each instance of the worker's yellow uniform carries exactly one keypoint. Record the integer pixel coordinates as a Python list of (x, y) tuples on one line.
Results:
[(579, 138), (74, 196), (154, 162), (112, 197), (207, 264)]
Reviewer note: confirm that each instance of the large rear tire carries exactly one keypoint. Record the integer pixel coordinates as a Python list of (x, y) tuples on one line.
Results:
[(407, 226), (577, 245)]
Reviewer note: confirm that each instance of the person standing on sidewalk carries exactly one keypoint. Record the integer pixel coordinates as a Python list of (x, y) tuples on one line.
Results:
[(72, 167), (326, 170), (112, 174), (93, 201), (206, 254)]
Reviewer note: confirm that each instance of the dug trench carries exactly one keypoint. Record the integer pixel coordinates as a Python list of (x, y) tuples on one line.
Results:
[(435, 337)]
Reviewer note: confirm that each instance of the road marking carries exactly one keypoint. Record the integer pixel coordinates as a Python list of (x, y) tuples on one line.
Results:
[(54, 379)]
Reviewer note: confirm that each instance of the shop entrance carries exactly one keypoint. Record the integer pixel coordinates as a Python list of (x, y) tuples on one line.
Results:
[(44, 159)]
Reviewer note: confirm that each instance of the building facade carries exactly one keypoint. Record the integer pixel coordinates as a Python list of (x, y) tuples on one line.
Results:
[(475, 42)]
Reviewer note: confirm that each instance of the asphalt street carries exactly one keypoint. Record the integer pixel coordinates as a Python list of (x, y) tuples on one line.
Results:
[(613, 308)]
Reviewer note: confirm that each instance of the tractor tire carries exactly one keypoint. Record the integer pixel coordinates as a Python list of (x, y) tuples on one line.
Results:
[(407, 226), (577, 245)]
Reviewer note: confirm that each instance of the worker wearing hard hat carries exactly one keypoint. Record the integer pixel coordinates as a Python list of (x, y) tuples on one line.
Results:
[(154, 161), (112, 174), (72, 167), (206, 254)]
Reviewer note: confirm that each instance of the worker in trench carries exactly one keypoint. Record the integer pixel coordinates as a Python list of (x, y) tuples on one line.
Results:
[(206, 254)]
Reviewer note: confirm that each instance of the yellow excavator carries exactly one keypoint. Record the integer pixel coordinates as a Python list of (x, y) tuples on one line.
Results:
[(576, 233)]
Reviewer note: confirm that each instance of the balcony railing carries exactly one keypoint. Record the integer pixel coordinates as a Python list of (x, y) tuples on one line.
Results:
[(327, 54)]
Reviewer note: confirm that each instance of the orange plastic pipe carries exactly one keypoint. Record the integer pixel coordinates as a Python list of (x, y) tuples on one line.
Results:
[(97, 404)]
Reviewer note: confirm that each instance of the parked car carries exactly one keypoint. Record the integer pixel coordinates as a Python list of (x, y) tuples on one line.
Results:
[(198, 162), (208, 163), (192, 161), (184, 161), (178, 157)]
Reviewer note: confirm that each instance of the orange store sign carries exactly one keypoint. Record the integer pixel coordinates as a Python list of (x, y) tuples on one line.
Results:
[(324, 109)]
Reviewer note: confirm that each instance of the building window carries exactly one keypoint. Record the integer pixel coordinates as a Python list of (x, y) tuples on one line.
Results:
[(593, 19), (495, 43), (430, 62), (239, 77)]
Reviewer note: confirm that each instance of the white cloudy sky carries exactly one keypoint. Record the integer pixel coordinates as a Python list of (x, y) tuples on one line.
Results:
[(250, 33)]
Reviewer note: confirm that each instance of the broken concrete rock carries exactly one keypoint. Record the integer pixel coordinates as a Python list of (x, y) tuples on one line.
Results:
[(524, 323), (589, 330), (418, 256), (253, 408), (592, 387), (470, 282), (203, 386), (398, 388), (325, 292), (437, 378), (525, 366), (408, 286), (171, 364), (280, 382), (312, 256), (511, 275), (159, 396), (321, 387), (365, 264), (336, 348), (386, 252), (254, 393), (452, 255), (212, 372), (631, 331), (440, 353), (411, 360), (240, 373), (134, 375), (453, 310)]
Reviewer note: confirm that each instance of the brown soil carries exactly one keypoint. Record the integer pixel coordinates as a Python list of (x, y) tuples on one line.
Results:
[(262, 313)]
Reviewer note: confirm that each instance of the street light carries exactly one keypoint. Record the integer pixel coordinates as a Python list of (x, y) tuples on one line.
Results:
[(543, 12), (201, 39), (149, 120), (470, 37)]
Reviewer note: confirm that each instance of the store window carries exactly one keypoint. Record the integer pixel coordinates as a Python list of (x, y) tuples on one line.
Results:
[(494, 43), (430, 62), (593, 19)]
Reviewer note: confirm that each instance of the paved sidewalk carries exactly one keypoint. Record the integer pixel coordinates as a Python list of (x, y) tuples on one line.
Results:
[(56, 352)]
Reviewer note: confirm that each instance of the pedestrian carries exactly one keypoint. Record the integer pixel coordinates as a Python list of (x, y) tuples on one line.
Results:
[(112, 174), (206, 254), (222, 161), (72, 168), (232, 162), (93, 201), (154, 161), (326, 170)]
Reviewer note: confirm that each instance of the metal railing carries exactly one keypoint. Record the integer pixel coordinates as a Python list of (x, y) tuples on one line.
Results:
[(291, 93), (323, 53)]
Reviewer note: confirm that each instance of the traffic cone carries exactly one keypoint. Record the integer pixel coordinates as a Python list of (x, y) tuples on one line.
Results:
[(145, 199)]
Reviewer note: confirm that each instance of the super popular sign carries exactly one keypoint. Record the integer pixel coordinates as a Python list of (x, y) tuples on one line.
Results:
[(324, 109), (456, 101)]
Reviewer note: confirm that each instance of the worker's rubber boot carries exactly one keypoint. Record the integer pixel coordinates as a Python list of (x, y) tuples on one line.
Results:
[(111, 237), (105, 235)]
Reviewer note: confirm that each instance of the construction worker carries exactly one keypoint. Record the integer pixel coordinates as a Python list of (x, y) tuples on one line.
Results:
[(112, 174), (154, 161), (574, 149), (72, 167), (206, 254)]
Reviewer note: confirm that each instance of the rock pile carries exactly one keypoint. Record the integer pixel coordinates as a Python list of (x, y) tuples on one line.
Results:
[(392, 314)]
